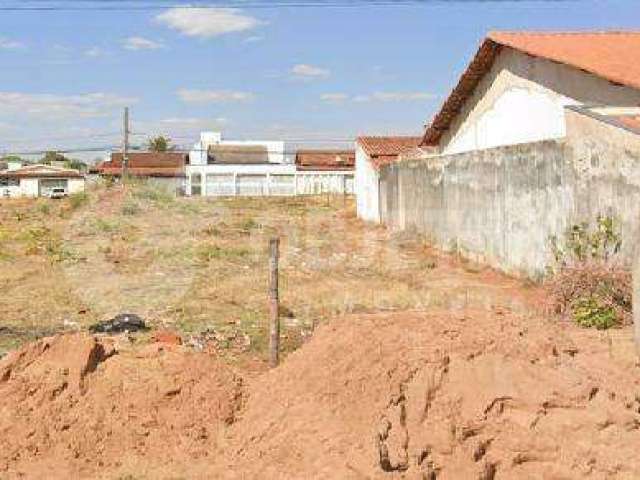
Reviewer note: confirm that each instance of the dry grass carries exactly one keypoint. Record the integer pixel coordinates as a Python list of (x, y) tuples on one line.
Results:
[(193, 264)]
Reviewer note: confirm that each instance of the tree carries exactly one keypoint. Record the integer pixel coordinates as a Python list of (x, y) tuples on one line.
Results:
[(160, 143), (76, 164), (52, 156)]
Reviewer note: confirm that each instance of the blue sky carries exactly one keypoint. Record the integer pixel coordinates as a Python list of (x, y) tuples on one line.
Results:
[(291, 73)]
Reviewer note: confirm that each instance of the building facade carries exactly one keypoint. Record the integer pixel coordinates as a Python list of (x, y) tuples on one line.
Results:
[(516, 88), (39, 181)]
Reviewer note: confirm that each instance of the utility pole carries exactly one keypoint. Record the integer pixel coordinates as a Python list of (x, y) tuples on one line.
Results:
[(125, 144)]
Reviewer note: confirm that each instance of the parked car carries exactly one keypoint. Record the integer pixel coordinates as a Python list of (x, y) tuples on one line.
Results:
[(58, 192)]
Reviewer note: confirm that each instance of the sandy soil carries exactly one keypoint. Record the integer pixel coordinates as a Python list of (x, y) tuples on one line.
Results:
[(444, 395)]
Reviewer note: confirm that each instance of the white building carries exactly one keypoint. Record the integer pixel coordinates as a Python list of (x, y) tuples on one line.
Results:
[(516, 88), (39, 180), (371, 154), (220, 167)]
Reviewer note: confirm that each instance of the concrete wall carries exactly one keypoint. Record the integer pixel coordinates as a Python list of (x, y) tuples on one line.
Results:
[(367, 187), (522, 99), (501, 205), (266, 179)]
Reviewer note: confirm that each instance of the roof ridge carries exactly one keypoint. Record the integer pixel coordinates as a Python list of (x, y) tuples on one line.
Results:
[(563, 32)]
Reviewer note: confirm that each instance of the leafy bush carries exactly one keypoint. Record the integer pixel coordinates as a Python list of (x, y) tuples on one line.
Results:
[(586, 281), (589, 313), (582, 243)]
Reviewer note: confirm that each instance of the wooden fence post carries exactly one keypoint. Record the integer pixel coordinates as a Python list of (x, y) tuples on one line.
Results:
[(274, 314)]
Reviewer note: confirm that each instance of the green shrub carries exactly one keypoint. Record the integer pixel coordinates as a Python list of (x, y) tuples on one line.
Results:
[(590, 313), (586, 283), (582, 242)]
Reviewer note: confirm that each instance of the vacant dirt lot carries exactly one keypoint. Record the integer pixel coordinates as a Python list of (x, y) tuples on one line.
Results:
[(199, 265), (412, 364)]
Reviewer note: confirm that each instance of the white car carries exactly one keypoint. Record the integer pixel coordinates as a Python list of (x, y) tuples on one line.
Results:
[(58, 192)]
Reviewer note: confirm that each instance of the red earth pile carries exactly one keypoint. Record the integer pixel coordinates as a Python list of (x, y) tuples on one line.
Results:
[(74, 406), (463, 394)]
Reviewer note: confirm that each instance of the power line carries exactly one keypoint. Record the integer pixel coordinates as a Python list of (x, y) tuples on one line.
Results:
[(118, 5)]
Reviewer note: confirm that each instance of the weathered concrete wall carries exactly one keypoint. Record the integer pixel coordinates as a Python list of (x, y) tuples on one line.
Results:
[(502, 205)]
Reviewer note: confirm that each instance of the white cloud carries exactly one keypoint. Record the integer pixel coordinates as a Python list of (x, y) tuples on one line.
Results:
[(7, 44), (140, 43), (46, 106), (309, 72), (253, 39), (95, 52), (213, 96), (190, 122), (334, 97), (207, 22)]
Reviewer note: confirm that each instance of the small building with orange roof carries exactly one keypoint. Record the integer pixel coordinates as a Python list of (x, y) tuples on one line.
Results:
[(371, 154), (519, 85)]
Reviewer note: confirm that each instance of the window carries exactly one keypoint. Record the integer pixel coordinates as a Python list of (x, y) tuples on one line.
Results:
[(196, 184)]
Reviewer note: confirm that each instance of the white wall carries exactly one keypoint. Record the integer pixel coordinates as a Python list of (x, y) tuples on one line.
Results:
[(272, 179), (277, 151), (29, 187), (367, 186), (522, 99), (76, 185)]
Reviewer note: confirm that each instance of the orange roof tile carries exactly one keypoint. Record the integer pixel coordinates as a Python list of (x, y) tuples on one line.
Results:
[(147, 164), (325, 159), (606, 54), (385, 150)]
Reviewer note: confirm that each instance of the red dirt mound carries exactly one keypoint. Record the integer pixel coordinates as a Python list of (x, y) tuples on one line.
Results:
[(479, 395), (73, 406), (483, 395)]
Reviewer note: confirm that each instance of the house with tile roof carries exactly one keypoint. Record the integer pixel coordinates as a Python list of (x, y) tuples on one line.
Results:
[(519, 84), (371, 154), (39, 180), (165, 169)]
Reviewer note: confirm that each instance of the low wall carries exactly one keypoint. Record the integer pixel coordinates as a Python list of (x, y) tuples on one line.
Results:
[(501, 205)]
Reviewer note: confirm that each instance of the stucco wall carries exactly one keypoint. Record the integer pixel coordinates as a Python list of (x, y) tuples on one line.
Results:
[(29, 187), (267, 179), (522, 99), (501, 205), (76, 185), (367, 179)]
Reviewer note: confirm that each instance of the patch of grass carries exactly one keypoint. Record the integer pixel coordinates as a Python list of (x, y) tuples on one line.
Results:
[(105, 225), (206, 253), (211, 230), (249, 224), (43, 207), (153, 193), (77, 200), (130, 208)]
